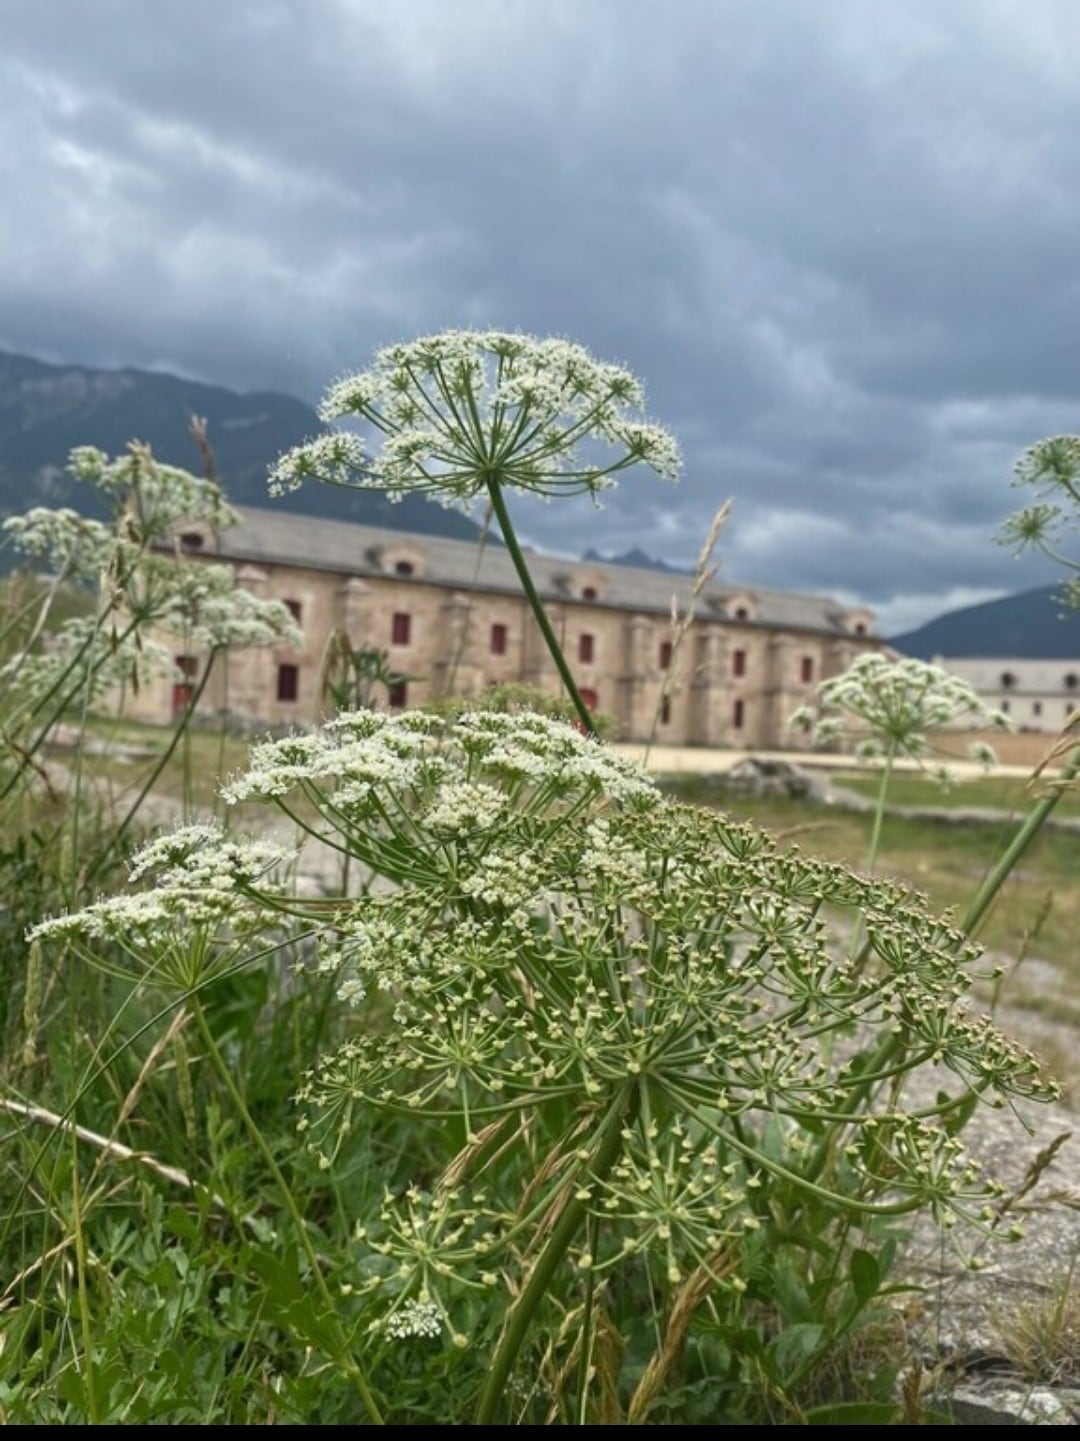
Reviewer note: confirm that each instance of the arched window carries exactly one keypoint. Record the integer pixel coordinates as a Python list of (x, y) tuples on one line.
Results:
[(1072, 680), (1008, 680), (588, 592), (404, 567)]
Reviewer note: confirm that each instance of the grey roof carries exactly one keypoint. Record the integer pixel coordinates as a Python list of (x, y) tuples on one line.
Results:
[(275, 537)]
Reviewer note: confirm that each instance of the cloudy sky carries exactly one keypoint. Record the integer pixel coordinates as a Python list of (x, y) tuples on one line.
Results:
[(839, 240)]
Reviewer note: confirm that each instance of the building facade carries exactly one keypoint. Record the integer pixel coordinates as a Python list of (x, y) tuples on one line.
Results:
[(1036, 695), (451, 618)]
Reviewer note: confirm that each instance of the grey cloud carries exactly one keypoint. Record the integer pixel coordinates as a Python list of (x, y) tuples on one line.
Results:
[(837, 241)]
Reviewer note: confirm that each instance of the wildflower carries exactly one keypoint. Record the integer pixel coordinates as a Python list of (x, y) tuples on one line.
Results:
[(461, 410), (889, 706), (414, 1318)]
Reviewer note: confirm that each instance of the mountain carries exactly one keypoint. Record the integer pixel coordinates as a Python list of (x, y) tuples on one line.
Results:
[(633, 557), (47, 410), (1033, 625)]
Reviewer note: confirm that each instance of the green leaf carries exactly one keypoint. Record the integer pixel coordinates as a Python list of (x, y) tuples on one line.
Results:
[(795, 1346), (865, 1274), (854, 1413)]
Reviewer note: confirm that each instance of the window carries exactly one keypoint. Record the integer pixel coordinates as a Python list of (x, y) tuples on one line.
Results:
[(498, 640), (295, 609), (586, 648), (738, 662), (860, 627), (665, 654), (192, 540), (404, 567), (1005, 707), (1008, 680), (401, 628), (588, 592), (183, 691), (741, 613), (288, 682), (665, 710), (1071, 681), (738, 715), (1069, 707), (398, 694), (1036, 707), (806, 669)]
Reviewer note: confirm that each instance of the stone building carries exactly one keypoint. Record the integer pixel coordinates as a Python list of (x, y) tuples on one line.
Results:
[(1036, 695), (451, 616)]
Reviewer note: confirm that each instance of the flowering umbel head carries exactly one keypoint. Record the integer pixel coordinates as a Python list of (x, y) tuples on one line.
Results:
[(463, 408), (889, 706), (1052, 470)]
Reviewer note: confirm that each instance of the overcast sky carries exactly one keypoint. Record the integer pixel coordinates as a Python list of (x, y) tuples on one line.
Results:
[(839, 240)]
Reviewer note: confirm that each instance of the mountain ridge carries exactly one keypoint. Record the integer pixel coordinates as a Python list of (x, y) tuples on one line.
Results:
[(46, 410), (1028, 625)]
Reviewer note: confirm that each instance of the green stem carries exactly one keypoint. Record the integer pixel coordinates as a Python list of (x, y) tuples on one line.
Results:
[(879, 809), (502, 515), (1030, 828), (90, 1369), (559, 1241), (348, 1364)]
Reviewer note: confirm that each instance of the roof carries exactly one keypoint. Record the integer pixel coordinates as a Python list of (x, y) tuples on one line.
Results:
[(268, 537)]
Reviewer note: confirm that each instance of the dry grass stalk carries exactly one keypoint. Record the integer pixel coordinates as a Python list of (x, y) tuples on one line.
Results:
[(688, 1298), (704, 572)]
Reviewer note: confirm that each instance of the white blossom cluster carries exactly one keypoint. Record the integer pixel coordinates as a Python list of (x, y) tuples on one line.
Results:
[(73, 545), (83, 659), (204, 604), (888, 706), (414, 1318), (457, 410), (153, 499), (213, 898), (204, 857)]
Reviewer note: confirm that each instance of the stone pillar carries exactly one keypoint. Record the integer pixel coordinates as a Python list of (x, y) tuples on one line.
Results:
[(457, 670), (636, 684), (537, 666), (710, 693), (781, 695), (354, 612)]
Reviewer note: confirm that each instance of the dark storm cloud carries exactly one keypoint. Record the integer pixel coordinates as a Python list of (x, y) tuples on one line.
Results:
[(837, 241)]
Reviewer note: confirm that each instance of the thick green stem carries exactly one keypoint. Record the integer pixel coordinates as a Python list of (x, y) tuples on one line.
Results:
[(502, 515), (1030, 828), (344, 1359), (558, 1243)]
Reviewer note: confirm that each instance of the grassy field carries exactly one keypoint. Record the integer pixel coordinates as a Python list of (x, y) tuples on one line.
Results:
[(1011, 794)]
